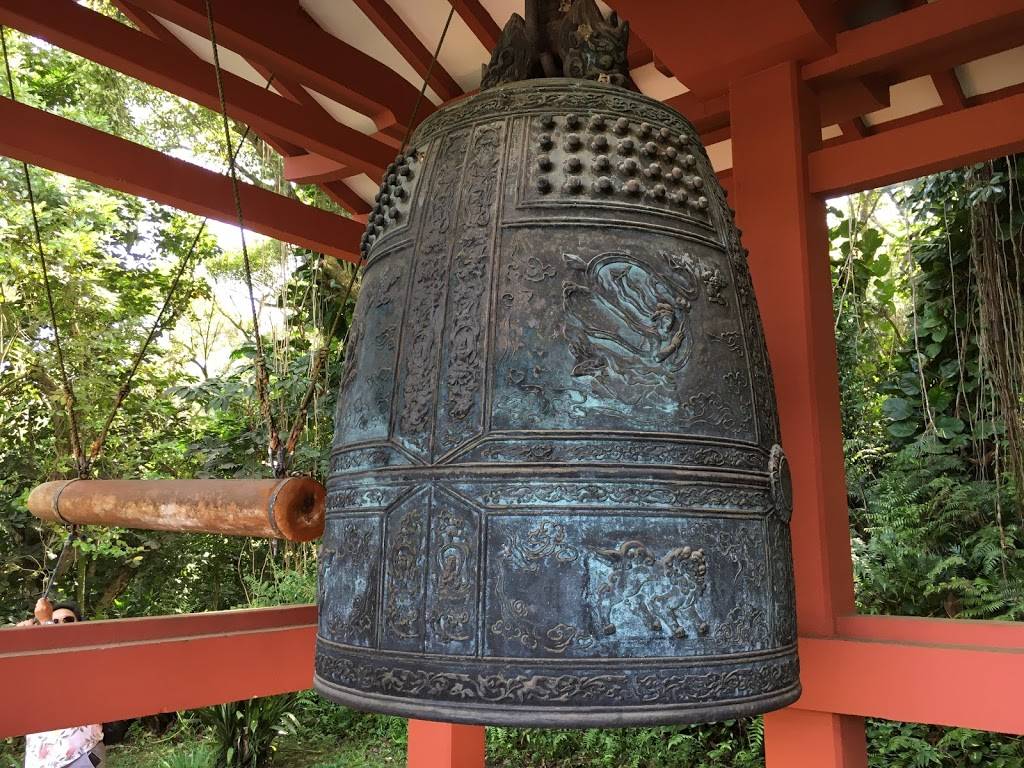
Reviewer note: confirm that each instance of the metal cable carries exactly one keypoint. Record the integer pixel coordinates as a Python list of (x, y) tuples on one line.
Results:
[(72, 535), (322, 355), (262, 379), (125, 389), (426, 80), (82, 463)]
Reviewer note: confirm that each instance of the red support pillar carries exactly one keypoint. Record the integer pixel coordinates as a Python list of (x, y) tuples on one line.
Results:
[(445, 745), (775, 124)]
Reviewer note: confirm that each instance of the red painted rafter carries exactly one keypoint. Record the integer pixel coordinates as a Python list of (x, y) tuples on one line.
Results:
[(921, 41), (480, 21), (290, 44), (950, 91), (149, 24), (68, 147), (76, 28), (706, 46), (314, 169), (855, 80), (146, 22), (937, 143), (339, 193), (855, 128), (406, 43), (346, 197)]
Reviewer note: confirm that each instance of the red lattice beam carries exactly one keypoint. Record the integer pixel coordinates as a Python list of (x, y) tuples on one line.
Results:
[(74, 27), (289, 43), (68, 147)]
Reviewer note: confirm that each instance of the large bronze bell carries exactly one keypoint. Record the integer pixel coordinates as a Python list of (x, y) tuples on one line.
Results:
[(557, 496)]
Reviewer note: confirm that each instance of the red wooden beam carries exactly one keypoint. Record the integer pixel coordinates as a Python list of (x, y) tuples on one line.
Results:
[(68, 147), (707, 45), (947, 84), (134, 667), (917, 630), (848, 99), (964, 686), (855, 129), (288, 42), (152, 26), (480, 21), (445, 745), (406, 43), (347, 198), (837, 103), (149, 24), (314, 169), (775, 123), (74, 27), (705, 114), (930, 38), (947, 672), (945, 141)]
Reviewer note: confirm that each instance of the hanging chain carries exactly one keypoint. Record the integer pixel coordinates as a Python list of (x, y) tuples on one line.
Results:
[(81, 462), (322, 355), (274, 446)]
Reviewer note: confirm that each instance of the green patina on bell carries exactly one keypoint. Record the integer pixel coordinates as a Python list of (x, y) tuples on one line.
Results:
[(557, 496)]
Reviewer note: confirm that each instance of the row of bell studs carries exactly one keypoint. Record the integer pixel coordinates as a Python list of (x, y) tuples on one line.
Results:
[(385, 207), (628, 167)]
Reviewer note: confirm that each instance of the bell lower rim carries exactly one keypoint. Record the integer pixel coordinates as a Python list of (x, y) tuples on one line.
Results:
[(553, 716)]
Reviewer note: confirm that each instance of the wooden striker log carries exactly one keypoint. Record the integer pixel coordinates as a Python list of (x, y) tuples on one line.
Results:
[(292, 508)]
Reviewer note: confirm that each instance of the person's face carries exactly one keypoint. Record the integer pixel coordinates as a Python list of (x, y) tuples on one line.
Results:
[(63, 616)]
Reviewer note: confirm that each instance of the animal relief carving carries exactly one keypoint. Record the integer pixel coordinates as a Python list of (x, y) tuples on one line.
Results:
[(663, 593)]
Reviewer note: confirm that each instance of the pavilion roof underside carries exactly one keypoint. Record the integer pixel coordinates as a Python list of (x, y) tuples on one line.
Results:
[(353, 68)]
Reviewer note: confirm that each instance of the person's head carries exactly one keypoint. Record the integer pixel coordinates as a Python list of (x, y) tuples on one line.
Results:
[(66, 612)]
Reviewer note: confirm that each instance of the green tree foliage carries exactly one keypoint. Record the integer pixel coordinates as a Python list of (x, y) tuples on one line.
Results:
[(192, 411), (935, 514)]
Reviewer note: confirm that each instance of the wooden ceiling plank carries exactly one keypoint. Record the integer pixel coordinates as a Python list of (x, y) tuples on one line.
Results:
[(106, 41), (480, 21), (67, 147), (922, 40), (292, 45), (409, 46)]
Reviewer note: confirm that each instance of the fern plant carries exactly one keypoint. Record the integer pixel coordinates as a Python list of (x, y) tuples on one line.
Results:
[(244, 732)]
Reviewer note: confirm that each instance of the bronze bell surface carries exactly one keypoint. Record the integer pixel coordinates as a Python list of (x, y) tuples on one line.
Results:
[(557, 496)]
